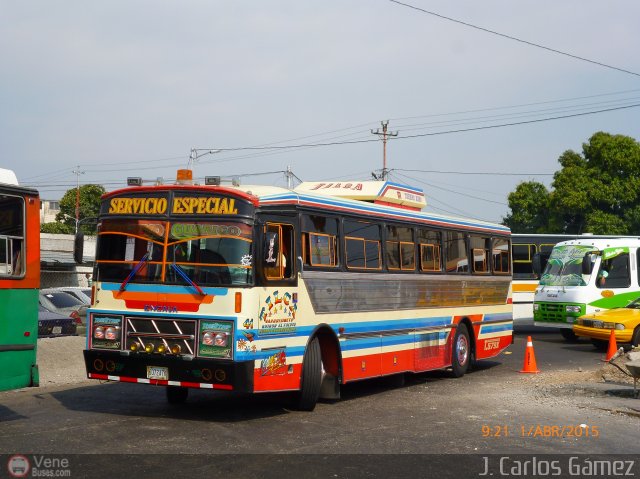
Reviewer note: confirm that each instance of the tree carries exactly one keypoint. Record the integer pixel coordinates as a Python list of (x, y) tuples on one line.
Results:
[(530, 205), (89, 209), (596, 192)]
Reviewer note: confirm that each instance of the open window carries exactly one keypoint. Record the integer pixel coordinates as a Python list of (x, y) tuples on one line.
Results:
[(12, 259), (278, 254)]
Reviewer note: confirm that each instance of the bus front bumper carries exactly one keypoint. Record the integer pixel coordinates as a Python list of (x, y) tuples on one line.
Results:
[(168, 370)]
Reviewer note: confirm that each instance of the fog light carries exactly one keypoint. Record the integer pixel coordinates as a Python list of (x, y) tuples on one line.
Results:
[(207, 338), (220, 375), (206, 374), (98, 364), (111, 366), (149, 347), (176, 349), (134, 346), (161, 349)]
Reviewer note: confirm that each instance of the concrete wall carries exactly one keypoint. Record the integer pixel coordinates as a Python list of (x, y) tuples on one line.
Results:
[(57, 267)]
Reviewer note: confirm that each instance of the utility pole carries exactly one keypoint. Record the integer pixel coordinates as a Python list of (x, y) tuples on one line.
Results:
[(384, 133), (289, 176), (77, 172)]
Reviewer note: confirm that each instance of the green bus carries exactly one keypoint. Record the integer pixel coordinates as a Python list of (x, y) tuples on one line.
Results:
[(19, 282)]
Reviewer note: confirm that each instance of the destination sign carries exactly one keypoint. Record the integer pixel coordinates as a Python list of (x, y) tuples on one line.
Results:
[(178, 205)]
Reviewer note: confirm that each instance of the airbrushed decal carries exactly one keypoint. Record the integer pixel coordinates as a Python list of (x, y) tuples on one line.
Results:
[(278, 315)]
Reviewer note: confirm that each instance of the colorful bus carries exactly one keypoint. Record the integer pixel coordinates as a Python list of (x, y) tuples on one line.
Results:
[(19, 282), (260, 289), (585, 276), (524, 248)]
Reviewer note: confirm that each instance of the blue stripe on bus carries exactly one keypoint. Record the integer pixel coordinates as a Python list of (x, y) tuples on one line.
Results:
[(498, 328), (163, 288)]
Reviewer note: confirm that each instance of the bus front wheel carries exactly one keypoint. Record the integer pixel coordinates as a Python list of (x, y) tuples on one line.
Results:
[(177, 394), (461, 351), (311, 377), (569, 336)]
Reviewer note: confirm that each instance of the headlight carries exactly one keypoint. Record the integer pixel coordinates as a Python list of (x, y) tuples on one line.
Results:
[(111, 333), (98, 332), (571, 308), (221, 339), (207, 338), (619, 326)]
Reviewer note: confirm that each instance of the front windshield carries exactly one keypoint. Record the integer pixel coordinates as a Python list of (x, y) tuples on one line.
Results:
[(564, 267), (210, 253)]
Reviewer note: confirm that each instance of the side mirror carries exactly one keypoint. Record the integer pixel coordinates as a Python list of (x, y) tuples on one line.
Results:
[(536, 263), (587, 264), (78, 247)]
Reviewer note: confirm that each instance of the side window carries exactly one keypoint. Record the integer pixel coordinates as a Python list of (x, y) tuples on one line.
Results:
[(362, 245), (456, 251), (278, 251), (430, 244), (614, 272), (522, 256), (319, 241), (12, 258), (500, 254), (400, 249), (480, 253)]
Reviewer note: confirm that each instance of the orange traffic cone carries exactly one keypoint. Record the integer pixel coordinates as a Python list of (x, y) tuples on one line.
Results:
[(529, 359), (613, 347)]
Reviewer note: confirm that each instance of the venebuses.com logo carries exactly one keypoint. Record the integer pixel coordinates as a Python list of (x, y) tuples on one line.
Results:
[(20, 465)]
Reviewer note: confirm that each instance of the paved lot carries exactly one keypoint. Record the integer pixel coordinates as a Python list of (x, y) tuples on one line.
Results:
[(431, 413)]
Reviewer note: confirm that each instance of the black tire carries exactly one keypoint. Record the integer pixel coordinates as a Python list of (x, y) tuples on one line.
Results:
[(569, 336), (311, 377), (460, 351), (177, 394), (635, 339), (600, 344)]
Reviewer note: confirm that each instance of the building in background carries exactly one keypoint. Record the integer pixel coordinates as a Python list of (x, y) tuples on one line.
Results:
[(57, 266)]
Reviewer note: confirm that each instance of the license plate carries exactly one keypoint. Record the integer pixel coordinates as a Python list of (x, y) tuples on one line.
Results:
[(156, 372), (57, 330)]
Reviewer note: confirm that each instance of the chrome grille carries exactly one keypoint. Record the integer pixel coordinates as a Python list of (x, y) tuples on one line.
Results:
[(158, 331)]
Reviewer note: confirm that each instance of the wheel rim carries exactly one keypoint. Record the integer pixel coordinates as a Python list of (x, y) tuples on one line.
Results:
[(462, 349)]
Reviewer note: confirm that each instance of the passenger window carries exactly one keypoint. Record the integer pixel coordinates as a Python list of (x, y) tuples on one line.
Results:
[(319, 241), (457, 260), (480, 252), (430, 250), (362, 245), (400, 249), (501, 256)]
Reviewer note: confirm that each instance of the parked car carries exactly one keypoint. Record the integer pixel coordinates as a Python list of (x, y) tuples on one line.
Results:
[(82, 293), (64, 303), (624, 322), (52, 324)]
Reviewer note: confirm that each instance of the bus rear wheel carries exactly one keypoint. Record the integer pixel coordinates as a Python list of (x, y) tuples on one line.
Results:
[(461, 351), (311, 377), (177, 394)]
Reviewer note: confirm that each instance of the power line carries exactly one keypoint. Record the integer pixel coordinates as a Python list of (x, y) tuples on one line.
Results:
[(473, 172), (510, 37)]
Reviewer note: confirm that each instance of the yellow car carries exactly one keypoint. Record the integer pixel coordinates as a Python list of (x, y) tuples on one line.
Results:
[(625, 323)]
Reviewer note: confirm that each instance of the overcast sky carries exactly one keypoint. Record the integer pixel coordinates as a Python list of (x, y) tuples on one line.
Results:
[(127, 88)]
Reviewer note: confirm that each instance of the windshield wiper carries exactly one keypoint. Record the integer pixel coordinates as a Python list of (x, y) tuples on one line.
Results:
[(135, 269), (186, 277)]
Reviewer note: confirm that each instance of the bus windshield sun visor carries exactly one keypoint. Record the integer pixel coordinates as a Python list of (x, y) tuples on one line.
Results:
[(186, 277), (135, 269)]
